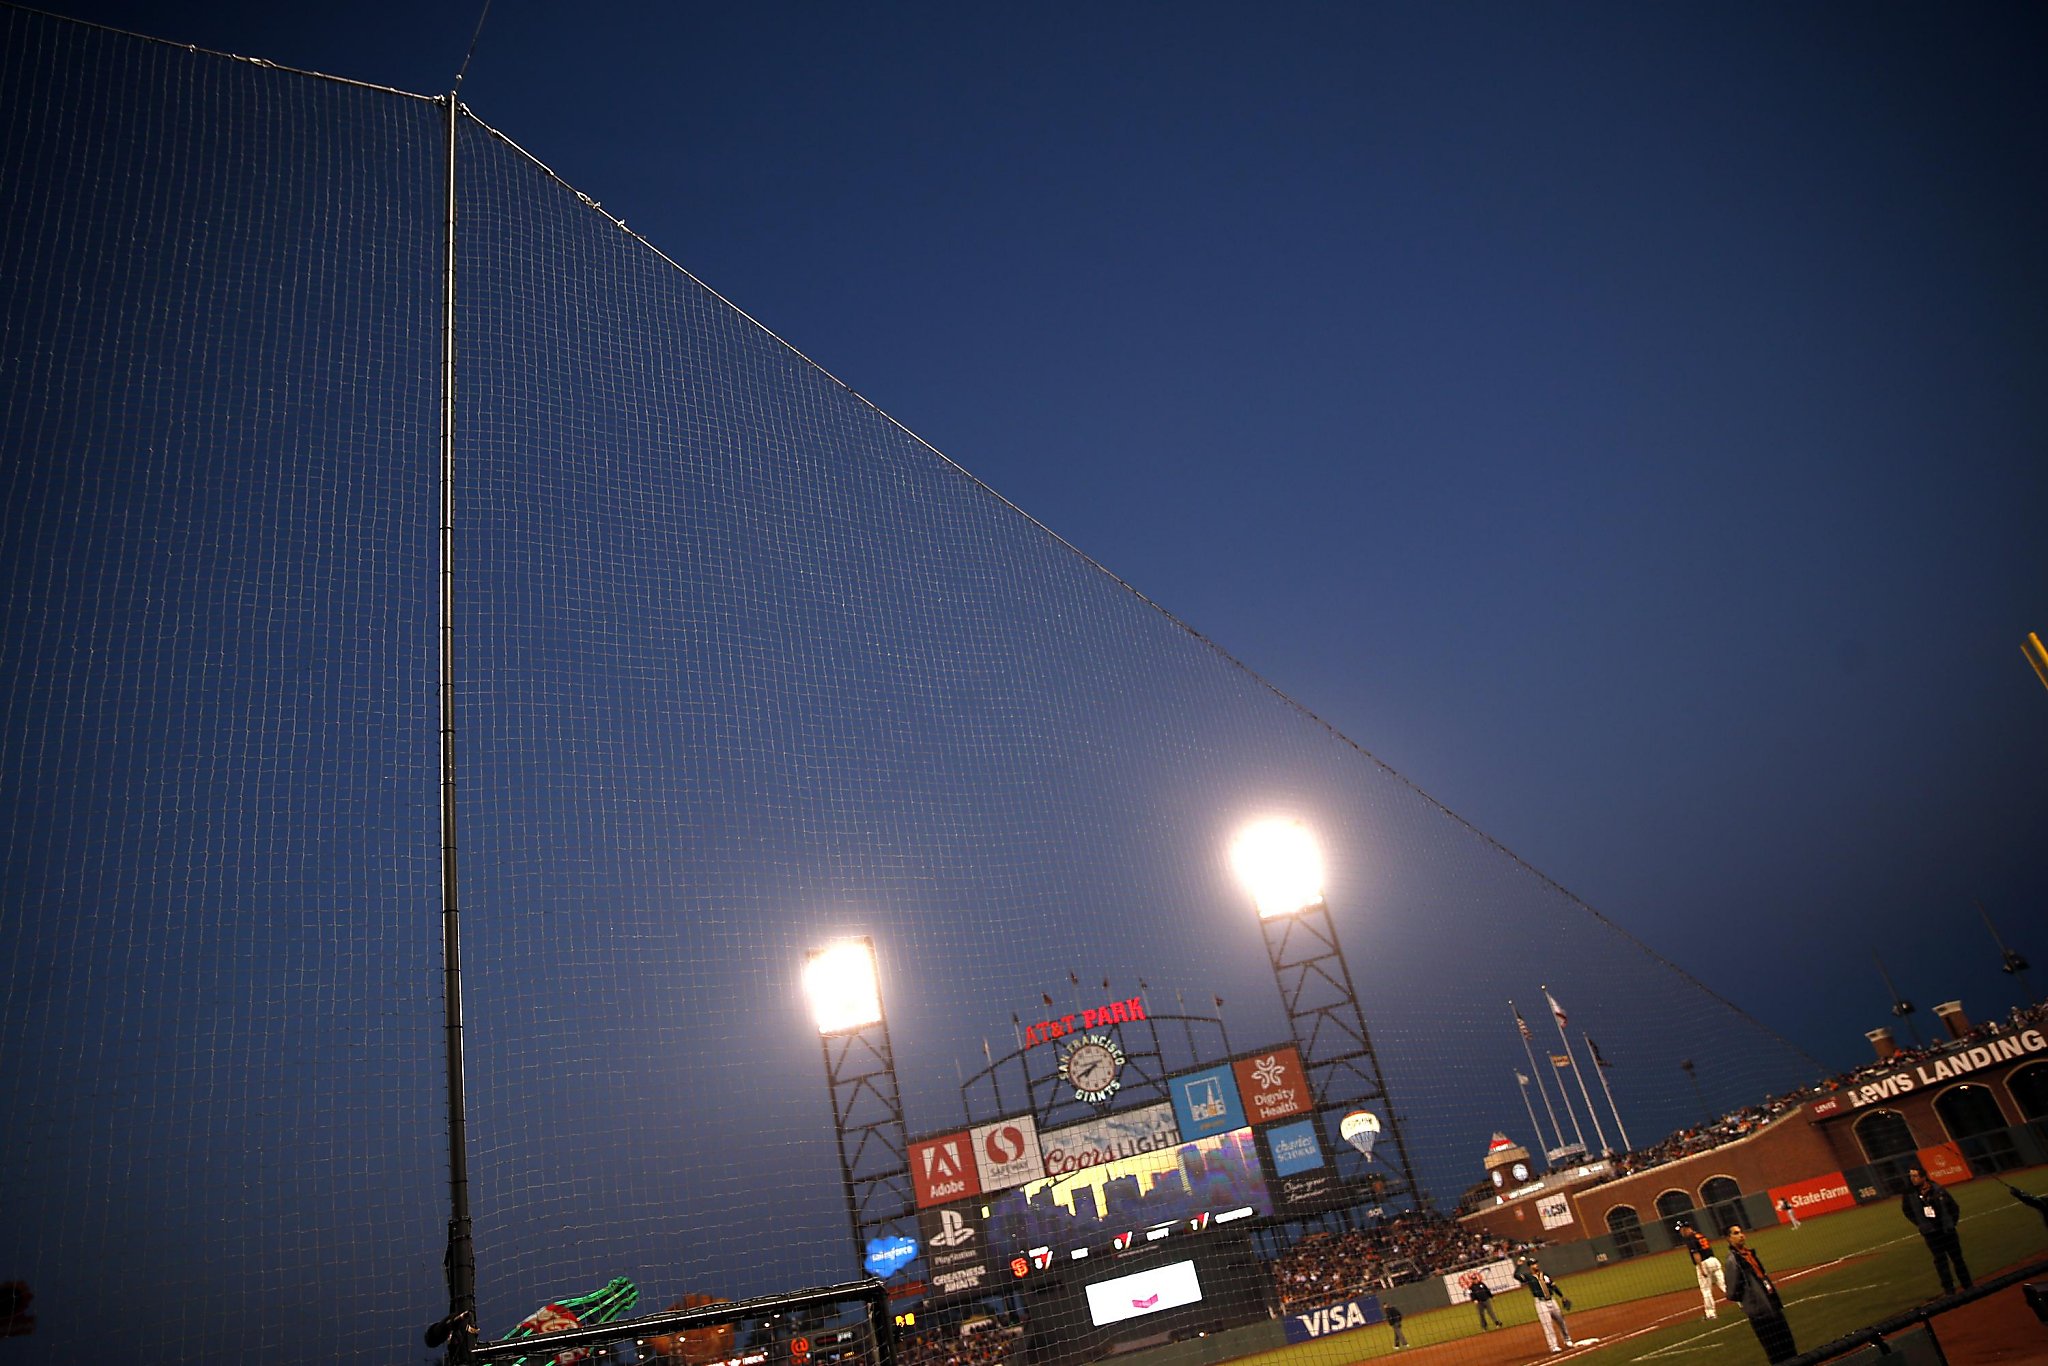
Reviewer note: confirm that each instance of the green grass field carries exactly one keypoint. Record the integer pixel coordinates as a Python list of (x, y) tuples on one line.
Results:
[(1856, 1267)]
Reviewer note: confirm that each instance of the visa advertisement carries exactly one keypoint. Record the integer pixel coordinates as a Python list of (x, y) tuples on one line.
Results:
[(1362, 1312)]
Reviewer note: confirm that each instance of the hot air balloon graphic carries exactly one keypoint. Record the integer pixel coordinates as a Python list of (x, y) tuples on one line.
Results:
[(1361, 1129)]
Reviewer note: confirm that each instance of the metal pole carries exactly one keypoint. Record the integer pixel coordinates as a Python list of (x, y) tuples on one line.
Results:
[(1531, 1109), (461, 1254), (1601, 1072), (1572, 1062), (1522, 1027), (839, 1118)]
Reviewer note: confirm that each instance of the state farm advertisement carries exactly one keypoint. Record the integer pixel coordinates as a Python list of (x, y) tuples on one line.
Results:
[(1006, 1153), (1109, 1138), (942, 1170), (1273, 1086), (1816, 1195)]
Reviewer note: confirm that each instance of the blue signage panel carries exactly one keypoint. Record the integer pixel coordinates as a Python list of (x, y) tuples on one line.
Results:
[(1207, 1102), (1362, 1312), (887, 1256), (1295, 1148)]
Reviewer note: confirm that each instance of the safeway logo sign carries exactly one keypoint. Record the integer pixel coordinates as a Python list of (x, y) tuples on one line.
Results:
[(943, 1170), (1006, 1153), (1273, 1086)]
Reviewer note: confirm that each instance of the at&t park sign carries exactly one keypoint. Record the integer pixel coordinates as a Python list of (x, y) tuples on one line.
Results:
[(1094, 1017), (1934, 1071)]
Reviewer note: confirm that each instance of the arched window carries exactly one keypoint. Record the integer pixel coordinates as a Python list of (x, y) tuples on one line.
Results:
[(2029, 1088), (1971, 1115), (1627, 1229), (1883, 1134), (1718, 1197), (1672, 1204)]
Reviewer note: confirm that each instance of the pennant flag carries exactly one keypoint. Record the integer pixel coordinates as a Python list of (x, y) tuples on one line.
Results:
[(1522, 1079), (1555, 1008), (1560, 1061), (1598, 1061)]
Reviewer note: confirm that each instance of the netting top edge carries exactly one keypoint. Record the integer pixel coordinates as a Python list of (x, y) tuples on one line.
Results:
[(262, 62), (1259, 679)]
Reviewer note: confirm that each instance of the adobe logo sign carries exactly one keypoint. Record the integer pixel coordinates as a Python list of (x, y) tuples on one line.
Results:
[(1006, 1153), (942, 1170)]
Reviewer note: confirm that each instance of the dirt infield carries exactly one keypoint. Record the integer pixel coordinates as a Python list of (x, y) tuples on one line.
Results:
[(2000, 1329)]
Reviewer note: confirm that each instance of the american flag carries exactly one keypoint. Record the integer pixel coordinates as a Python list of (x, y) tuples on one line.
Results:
[(1521, 1023)]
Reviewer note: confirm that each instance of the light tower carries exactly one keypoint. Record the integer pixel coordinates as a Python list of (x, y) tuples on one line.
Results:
[(845, 993), (1279, 864)]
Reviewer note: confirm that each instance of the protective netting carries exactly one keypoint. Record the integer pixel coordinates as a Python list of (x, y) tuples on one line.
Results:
[(745, 668)]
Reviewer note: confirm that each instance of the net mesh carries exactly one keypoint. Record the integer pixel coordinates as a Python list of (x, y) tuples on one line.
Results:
[(745, 668)]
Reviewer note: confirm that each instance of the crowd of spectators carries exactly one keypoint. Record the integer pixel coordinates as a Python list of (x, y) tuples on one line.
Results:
[(2022, 1017), (1750, 1118), (1324, 1267), (1698, 1138), (983, 1342)]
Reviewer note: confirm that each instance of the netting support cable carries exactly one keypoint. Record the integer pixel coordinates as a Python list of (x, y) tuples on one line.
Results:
[(461, 1255), (467, 56), (262, 62)]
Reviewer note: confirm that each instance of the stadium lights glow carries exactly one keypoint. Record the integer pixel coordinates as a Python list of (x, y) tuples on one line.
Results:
[(1279, 864), (842, 985)]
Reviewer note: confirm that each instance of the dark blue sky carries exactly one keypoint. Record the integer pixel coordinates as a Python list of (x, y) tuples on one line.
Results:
[(1625, 422)]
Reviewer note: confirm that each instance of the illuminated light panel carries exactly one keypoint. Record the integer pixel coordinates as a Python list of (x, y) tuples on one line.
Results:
[(1278, 863), (844, 990)]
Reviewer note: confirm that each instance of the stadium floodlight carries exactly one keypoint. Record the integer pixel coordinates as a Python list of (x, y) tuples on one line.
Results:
[(843, 987), (1279, 864)]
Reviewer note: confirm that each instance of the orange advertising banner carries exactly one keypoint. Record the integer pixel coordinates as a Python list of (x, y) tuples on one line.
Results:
[(1944, 1164), (1815, 1195), (1273, 1086)]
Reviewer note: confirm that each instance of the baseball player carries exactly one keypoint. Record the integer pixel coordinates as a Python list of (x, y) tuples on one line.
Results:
[(1706, 1267)]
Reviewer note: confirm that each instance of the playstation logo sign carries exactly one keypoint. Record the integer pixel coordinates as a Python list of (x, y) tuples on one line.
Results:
[(953, 1230)]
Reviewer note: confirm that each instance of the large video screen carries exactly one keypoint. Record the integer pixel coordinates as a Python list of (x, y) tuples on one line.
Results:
[(1173, 1185), (1147, 1292)]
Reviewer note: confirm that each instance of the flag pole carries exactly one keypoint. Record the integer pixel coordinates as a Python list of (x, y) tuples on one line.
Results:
[(1600, 1071), (1557, 1017), (1523, 1025), (1536, 1128)]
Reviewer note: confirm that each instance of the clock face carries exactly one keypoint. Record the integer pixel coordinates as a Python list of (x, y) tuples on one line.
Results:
[(1497, 1179), (1521, 1171), (1093, 1068)]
